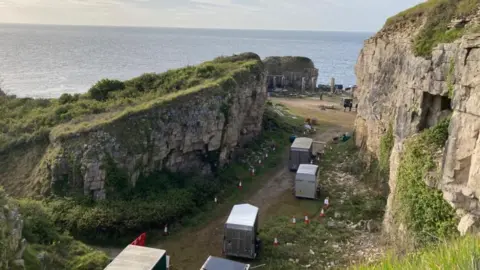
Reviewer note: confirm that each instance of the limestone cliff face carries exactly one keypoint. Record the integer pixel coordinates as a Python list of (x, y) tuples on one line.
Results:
[(412, 93), (193, 132), (11, 241), (298, 73)]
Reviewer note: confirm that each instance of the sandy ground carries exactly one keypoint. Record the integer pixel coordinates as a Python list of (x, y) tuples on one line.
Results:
[(190, 249)]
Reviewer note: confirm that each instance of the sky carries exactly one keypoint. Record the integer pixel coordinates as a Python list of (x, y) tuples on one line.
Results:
[(325, 15)]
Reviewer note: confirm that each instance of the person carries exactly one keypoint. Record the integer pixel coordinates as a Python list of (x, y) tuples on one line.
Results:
[(356, 107)]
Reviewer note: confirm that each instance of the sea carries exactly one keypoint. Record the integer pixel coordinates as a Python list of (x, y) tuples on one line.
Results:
[(45, 61)]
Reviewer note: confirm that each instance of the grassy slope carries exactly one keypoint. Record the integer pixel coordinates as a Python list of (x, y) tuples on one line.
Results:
[(25, 119), (437, 14), (459, 254)]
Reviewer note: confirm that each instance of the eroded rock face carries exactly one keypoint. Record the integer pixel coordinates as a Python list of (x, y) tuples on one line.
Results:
[(412, 93), (196, 132), (11, 241), (298, 73)]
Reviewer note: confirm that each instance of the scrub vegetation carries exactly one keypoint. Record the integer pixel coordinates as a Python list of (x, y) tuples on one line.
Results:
[(26, 120), (49, 246), (438, 15), (461, 253), (427, 216)]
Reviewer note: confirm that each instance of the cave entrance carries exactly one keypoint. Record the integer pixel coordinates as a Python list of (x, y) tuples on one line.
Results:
[(435, 108)]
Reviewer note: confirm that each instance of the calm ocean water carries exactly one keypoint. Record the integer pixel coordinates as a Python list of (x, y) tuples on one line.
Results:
[(46, 61)]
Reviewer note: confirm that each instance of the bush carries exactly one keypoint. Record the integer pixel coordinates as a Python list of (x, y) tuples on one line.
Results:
[(101, 89), (65, 98), (159, 199), (38, 224), (61, 250), (427, 215)]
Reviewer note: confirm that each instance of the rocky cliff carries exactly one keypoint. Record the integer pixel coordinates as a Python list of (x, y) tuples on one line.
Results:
[(298, 73), (409, 93), (11, 241), (187, 129)]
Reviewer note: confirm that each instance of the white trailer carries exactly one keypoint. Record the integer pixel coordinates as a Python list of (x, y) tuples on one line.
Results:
[(306, 185), (240, 235)]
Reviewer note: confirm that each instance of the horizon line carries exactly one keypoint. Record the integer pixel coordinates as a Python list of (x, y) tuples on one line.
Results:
[(192, 28)]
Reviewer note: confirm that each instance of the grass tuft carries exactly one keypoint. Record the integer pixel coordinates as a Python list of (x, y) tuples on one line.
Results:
[(460, 254), (438, 14)]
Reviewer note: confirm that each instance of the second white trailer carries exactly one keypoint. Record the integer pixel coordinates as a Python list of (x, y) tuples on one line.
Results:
[(306, 184)]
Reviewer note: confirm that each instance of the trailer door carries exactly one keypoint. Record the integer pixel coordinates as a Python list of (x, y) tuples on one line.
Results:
[(294, 159)]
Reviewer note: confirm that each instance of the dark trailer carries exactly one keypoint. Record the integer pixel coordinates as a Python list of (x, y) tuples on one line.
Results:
[(215, 263), (300, 152)]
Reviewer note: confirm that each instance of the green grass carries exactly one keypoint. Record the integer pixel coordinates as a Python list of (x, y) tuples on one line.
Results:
[(458, 254), (451, 78), (424, 212), (386, 146), (438, 14), (24, 120)]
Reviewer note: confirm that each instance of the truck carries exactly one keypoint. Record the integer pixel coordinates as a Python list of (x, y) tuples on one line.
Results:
[(306, 184), (300, 152), (240, 232)]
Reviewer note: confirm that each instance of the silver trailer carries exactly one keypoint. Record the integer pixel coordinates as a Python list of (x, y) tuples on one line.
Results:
[(240, 233), (300, 152), (306, 185), (215, 263)]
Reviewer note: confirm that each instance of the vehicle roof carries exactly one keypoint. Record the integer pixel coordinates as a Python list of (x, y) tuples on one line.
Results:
[(215, 263), (307, 169), (243, 214), (302, 142), (136, 258)]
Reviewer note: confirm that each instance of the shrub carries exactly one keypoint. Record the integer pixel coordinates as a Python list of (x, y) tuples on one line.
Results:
[(427, 215), (38, 224), (100, 90), (65, 98), (60, 250)]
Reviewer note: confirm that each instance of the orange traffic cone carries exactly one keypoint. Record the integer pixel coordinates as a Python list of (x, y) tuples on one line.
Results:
[(322, 213), (240, 185), (275, 242), (294, 220), (307, 221)]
